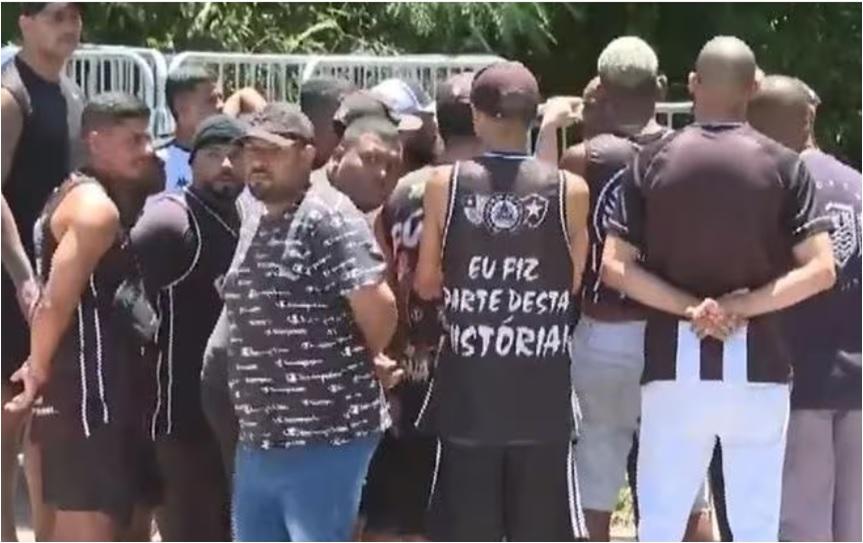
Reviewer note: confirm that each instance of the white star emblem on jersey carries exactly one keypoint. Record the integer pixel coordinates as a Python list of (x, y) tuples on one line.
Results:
[(533, 209)]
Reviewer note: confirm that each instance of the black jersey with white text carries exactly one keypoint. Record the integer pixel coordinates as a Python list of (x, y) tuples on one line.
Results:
[(503, 372)]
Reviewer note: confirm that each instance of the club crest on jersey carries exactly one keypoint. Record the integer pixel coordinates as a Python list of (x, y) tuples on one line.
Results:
[(505, 212), (846, 232)]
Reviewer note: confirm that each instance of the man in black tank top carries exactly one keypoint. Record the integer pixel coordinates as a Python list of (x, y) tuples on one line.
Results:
[(395, 497), (41, 111), (85, 363), (504, 242), (185, 241)]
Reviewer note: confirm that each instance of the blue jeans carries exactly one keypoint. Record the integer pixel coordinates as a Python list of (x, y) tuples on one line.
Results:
[(302, 493)]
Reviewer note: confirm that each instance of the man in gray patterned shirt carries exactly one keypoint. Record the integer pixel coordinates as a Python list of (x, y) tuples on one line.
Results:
[(307, 308)]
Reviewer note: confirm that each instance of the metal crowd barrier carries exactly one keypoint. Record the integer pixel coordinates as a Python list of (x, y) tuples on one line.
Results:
[(366, 70), (668, 112), (277, 77)]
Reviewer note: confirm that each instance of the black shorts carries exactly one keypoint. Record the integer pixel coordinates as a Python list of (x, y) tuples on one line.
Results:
[(195, 504), (398, 485), (15, 346), (512, 493), (111, 471)]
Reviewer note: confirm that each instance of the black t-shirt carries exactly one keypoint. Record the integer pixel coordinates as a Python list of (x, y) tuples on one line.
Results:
[(607, 157), (298, 368), (824, 331), (715, 209)]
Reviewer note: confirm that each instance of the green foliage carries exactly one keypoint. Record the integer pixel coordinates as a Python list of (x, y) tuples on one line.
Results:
[(818, 42)]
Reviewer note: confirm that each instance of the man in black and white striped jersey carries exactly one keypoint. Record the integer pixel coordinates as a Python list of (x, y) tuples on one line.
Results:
[(716, 230), (185, 241)]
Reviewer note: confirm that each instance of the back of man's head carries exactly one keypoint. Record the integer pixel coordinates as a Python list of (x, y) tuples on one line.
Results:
[(321, 96), (726, 61), (628, 69), (454, 116), (184, 79), (628, 63), (781, 110)]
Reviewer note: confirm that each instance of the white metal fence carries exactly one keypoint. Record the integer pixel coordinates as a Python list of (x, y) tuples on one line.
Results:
[(143, 72)]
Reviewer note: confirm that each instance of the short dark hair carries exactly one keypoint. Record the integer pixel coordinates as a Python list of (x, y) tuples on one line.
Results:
[(322, 95), (185, 79), (455, 120), (110, 108), (382, 128), (30, 9)]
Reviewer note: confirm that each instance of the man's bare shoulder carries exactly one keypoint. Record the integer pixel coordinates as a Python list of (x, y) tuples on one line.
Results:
[(87, 207), (574, 158)]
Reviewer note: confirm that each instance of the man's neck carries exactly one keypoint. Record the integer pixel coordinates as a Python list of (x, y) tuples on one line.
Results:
[(48, 68), (184, 136), (128, 202), (507, 143), (722, 113), (461, 150), (275, 209), (227, 209)]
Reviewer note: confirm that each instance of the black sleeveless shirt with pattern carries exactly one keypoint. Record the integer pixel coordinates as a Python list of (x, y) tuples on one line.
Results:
[(97, 368), (503, 373)]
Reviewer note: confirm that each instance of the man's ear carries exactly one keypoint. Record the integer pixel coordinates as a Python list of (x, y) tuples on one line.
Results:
[(692, 83), (661, 87)]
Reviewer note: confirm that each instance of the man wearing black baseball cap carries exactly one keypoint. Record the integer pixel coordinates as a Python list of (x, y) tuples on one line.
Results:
[(41, 112), (396, 493), (501, 402), (184, 241), (319, 100), (307, 308)]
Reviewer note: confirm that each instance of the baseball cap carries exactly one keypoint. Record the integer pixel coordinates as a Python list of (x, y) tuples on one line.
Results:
[(279, 123), (404, 97), (506, 90), (214, 130), (367, 104)]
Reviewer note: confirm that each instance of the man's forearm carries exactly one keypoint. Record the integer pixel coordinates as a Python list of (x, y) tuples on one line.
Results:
[(639, 284), (546, 144), (378, 328), (50, 321), (15, 260), (790, 289)]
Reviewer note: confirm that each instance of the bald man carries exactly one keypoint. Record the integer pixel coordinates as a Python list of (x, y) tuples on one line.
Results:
[(716, 230), (821, 485)]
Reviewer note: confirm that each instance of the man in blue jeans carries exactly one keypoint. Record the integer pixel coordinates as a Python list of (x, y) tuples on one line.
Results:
[(308, 308)]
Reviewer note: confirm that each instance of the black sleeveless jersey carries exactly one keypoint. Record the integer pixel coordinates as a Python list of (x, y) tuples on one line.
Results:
[(503, 373), (189, 306), (98, 366)]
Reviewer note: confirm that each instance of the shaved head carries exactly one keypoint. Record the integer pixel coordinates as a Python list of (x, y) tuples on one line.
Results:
[(726, 60), (781, 109)]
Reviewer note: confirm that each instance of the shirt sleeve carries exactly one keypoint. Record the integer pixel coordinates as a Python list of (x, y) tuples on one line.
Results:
[(627, 219), (802, 215), (164, 242), (347, 255)]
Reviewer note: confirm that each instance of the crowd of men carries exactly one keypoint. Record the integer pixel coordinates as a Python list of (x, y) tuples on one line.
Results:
[(376, 315)]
